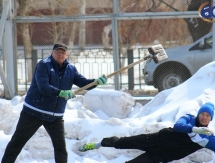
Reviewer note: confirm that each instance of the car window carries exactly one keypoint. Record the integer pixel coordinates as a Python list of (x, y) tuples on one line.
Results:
[(207, 44)]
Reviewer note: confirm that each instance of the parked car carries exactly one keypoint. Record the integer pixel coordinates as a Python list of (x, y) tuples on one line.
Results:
[(182, 63)]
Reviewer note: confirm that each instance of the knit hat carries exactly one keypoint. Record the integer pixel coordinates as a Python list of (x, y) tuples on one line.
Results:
[(207, 107)]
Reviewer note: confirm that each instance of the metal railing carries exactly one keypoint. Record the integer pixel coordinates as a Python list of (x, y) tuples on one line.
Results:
[(91, 63)]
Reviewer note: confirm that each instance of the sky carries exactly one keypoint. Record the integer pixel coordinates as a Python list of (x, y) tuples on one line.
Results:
[(104, 113)]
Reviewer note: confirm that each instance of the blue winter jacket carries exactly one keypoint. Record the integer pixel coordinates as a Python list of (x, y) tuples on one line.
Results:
[(42, 98), (185, 125)]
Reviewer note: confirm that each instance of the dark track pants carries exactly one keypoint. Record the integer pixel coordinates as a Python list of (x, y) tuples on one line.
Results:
[(144, 142), (26, 128)]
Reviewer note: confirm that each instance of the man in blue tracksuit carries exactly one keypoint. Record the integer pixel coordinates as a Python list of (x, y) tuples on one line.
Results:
[(189, 134), (45, 103)]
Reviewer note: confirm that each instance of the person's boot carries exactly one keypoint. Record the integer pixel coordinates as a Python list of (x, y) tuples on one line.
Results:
[(109, 142)]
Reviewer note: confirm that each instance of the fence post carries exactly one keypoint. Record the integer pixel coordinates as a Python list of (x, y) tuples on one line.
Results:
[(115, 43), (34, 60), (130, 70), (213, 41)]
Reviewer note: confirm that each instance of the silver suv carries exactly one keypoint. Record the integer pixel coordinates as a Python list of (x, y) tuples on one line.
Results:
[(182, 63)]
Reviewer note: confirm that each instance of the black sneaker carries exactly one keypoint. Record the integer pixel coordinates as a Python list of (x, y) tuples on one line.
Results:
[(109, 142)]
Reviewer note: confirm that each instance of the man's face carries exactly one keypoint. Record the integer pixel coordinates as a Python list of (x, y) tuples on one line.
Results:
[(59, 55), (204, 118)]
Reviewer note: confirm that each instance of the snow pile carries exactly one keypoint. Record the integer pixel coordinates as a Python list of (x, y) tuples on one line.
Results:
[(102, 113), (113, 103)]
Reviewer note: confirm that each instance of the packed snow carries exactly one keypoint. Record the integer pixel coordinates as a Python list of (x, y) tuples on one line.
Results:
[(103, 113)]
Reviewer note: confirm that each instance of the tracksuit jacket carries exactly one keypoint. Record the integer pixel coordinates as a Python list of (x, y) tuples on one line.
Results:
[(42, 98), (179, 141)]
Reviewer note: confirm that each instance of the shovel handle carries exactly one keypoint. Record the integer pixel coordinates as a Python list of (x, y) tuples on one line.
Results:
[(108, 76), (85, 87), (125, 68)]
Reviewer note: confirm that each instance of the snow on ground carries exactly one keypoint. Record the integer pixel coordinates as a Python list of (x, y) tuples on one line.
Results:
[(103, 113)]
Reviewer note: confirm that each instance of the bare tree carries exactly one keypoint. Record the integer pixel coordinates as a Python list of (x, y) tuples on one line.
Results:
[(105, 36), (28, 47), (53, 32), (82, 29)]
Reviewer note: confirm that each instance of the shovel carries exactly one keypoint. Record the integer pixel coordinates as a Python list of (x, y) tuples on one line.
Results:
[(156, 52)]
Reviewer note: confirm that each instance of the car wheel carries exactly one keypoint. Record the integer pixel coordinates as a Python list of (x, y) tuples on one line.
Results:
[(171, 77)]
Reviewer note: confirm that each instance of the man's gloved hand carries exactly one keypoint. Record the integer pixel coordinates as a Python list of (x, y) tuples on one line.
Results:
[(66, 94), (102, 80), (202, 130)]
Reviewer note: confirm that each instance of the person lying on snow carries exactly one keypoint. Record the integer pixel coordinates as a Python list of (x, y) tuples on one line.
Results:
[(189, 134)]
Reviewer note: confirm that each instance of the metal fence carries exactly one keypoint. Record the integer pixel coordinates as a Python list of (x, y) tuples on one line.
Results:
[(91, 63), (106, 35)]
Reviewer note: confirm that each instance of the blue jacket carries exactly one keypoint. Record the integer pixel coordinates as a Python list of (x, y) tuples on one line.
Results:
[(42, 98), (185, 125)]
